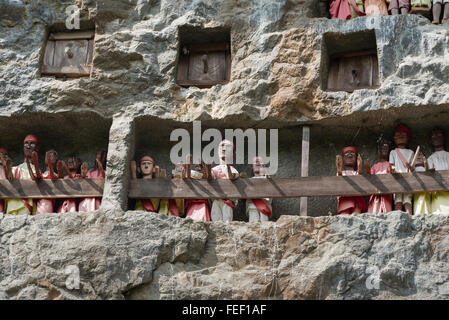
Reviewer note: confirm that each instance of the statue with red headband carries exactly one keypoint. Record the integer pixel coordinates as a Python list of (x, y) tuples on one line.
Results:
[(93, 204), (28, 170), (223, 209), (352, 162), (197, 209), (146, 169), (400, 159), (47, 205), (5, 168), (259, 209), (381, 203), (72, 168)]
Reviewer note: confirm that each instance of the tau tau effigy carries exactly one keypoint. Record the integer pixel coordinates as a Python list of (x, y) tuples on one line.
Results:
[(259, 209)]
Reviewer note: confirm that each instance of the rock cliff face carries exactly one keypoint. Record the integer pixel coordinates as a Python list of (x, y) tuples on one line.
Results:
[(148, 256), (279, 55)]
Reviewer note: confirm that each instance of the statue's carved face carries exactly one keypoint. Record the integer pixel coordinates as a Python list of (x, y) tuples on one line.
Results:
[(437, 138), (385, 150), (52, 156), (350, 158), (29, 146), (258, 166), (71, 164), (146, 167), (225, 151), (400, 138), (3, 156)]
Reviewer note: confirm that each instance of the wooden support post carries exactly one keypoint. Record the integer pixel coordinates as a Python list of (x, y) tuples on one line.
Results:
[(304, 165)]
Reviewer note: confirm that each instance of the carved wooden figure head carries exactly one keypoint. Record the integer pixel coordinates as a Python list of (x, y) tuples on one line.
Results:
[(52, 156), (226, 151), (30, 144), (383, 149), (401, 136), (146, 165), (437, 139), (350, 157)]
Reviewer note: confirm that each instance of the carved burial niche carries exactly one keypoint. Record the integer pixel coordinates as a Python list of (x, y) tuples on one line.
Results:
[(68, 54), (204, 57), (349, 61)]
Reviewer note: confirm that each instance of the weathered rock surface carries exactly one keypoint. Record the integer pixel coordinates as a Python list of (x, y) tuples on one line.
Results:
[(149, 256)]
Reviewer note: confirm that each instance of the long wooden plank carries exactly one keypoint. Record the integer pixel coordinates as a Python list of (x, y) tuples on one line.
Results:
[(290, 187), (72, 35), (304, 165), (61, 188)]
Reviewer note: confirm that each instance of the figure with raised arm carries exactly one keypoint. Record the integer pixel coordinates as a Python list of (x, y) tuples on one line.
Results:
[(28, 170), (400, 159), (146, 169), (92, 204), (223, 209), (381, 203), (352, 162)]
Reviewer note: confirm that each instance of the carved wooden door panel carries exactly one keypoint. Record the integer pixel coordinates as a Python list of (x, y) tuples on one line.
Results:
[(210, 66), (68, 54), (353, 71)]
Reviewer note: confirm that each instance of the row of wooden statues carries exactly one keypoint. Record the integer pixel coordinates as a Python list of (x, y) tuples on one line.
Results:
[(30, 170), (202, 209), (347, 9), (399, 160)]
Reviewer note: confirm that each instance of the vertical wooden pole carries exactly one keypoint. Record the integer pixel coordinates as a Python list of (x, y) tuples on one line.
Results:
[(304, 165)]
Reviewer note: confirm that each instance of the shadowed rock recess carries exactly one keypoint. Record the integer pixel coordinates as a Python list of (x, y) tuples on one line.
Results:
[(280, 53)]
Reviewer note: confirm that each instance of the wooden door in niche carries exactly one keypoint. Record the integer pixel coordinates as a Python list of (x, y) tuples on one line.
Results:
[(204, 65), (353, 71), (68, 54)]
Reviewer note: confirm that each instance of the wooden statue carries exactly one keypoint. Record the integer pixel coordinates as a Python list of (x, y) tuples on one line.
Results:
[(439, 160), (146, 169), (92, 204), (173, 207), (352, 162), (28, 170), (222, 209), (400, 159), (376, 7), (259, 209), (399, 6), (381, 203), (47, 205), (197, 209), (421, 200), (72, 168), (346, 9), (437, 6)]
